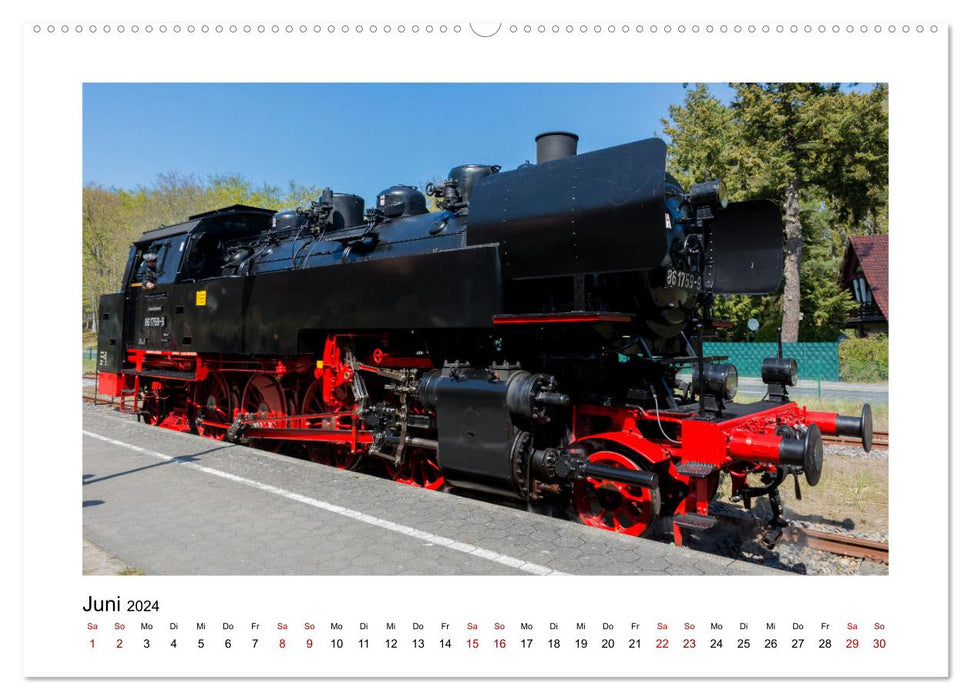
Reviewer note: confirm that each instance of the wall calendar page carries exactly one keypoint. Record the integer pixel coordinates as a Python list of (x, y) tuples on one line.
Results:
[(441, 344)]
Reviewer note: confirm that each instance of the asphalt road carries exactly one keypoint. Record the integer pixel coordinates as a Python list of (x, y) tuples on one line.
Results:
[(874, 394)]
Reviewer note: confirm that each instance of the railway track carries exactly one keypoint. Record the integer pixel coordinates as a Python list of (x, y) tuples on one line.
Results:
[(101, 400), (844, 545), (881, 440), (831, 542)]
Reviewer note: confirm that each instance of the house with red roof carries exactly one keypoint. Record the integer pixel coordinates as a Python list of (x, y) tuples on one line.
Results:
[(866, 275)]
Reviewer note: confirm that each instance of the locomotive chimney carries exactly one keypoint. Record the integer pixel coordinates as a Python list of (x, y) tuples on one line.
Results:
[(555, 144)]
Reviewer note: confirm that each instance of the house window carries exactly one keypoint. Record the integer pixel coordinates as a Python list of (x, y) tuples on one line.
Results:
[(862, 292)]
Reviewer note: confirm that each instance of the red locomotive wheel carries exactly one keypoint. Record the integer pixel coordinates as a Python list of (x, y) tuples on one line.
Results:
[(610, 505), (332, 454), (263, 398), (152, 411), (214, 402), (419, 470)]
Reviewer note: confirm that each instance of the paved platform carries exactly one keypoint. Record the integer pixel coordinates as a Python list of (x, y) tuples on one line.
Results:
[(177, 504)]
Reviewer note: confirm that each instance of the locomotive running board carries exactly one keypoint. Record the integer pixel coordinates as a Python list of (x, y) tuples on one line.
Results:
[(696, 469), (691, 521), (255, 432), (161, 374), (567, 317)]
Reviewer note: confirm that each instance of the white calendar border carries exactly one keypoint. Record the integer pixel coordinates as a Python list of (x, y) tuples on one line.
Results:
[(918, 113)]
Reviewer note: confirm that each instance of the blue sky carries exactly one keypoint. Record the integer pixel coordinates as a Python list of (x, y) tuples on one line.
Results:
[(355, 138)]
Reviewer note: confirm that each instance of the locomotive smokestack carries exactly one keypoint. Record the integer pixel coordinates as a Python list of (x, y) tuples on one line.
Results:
[(555, 144)]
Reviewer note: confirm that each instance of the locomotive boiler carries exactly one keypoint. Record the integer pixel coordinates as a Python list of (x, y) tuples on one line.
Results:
[(538, 336)]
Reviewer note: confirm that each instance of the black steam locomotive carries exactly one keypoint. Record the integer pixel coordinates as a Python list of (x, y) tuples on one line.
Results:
[(538, 336)]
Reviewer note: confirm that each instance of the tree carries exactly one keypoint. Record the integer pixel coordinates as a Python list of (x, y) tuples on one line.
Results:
[(824, 306), (297, 196), (798, 144), (703, 139), (852, 164), (780, 130), (173, 197), (105, 237), (112, 219), (226, 190)]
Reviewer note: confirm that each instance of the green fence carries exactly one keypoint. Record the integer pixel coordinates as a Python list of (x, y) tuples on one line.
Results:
[(815, 360)]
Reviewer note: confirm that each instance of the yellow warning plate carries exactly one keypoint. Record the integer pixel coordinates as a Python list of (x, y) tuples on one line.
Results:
[(201, 298)]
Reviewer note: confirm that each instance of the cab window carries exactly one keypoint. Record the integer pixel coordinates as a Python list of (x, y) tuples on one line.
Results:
[(169, 254)]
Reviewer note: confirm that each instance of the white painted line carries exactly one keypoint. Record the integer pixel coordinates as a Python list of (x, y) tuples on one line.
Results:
[(448, 543), (130, 447)]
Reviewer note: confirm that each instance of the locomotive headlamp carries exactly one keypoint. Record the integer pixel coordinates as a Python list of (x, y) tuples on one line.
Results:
[(712, 194), (721, 380), (780, 370)]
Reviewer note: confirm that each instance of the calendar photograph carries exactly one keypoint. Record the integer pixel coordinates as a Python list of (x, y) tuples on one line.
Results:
[(608, 328)]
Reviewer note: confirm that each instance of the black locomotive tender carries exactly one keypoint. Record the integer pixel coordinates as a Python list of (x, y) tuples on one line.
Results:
[(525, 340)]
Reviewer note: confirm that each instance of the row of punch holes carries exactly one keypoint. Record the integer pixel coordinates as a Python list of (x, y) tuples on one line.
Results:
[(482, 30)]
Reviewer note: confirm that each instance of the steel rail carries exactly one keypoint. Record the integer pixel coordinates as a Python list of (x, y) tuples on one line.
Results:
[(844, 545), (881, 439)]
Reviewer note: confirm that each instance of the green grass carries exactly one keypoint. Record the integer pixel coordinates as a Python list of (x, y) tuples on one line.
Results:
[(89, 345), (851, 488), (131, 572), (853, 492)]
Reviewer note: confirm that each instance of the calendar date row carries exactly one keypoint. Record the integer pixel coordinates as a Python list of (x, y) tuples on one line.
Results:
[(474, 643)]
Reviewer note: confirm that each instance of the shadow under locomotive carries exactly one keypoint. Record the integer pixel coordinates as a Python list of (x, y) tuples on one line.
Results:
[(523, 341)]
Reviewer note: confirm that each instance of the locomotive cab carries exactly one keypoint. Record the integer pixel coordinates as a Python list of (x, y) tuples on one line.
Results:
[(157, 304)]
